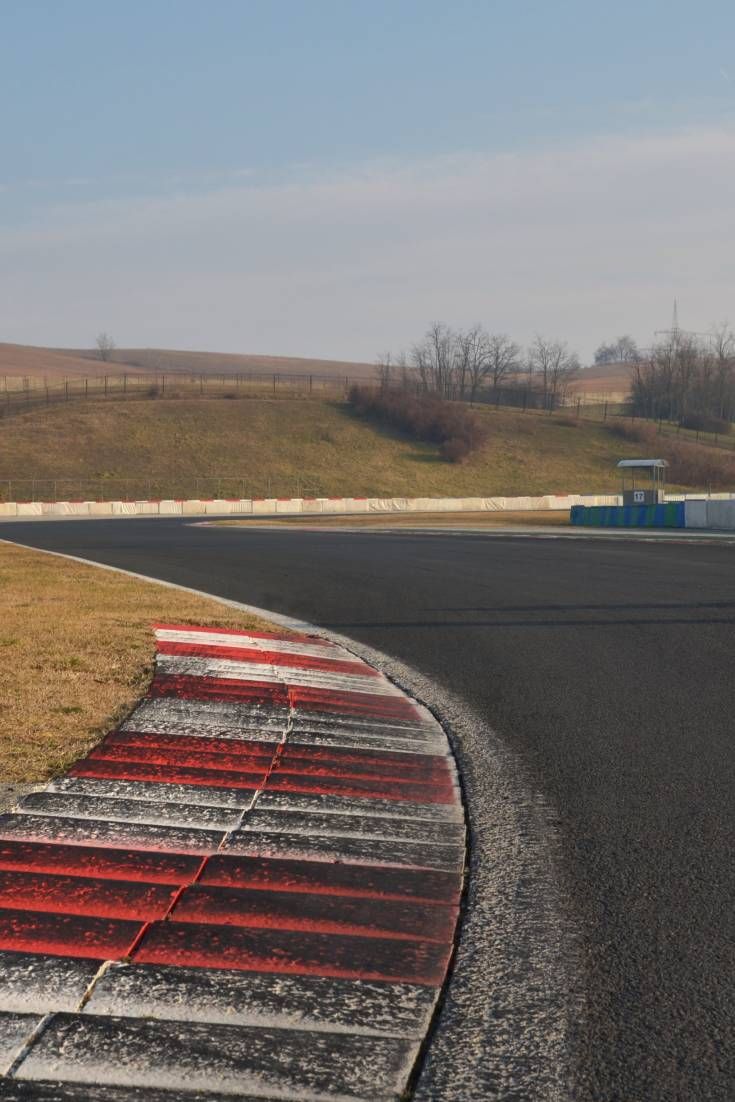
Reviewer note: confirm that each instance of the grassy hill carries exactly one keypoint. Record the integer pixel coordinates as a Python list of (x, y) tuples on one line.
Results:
[(264, 447)]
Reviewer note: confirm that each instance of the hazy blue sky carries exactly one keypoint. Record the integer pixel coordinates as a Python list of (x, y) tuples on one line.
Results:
[(321, 177)]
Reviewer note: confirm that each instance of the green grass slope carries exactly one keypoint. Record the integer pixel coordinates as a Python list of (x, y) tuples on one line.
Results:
[(279, 446)]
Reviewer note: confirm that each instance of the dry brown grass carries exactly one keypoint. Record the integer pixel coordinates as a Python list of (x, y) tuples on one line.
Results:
[(22, 361), (318, 442), (76, 651), (213, 363), (28, 361), (512, 517)]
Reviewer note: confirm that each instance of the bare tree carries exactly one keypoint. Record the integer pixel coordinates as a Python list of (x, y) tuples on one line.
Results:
[(504, 357), (482, 356), (105, 346), (437, 360), (621, 350), (724, 372), (688, 379), (554, 365), (384, 370), (470, 361)]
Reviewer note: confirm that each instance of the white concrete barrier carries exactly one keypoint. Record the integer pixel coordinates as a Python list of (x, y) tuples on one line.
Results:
[(711, 513), (721, 514), (334, 506), (352, 504), (714, 511), (695, 514), (263, 506)]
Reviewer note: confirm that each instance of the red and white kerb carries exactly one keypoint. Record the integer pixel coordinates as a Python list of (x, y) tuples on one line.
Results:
[(249, 889)]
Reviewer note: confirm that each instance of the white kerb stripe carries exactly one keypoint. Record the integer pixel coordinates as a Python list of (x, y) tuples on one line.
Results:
[(250, 642), (184, 666)]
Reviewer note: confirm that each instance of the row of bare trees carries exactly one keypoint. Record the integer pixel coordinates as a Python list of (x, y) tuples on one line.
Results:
[(687, 379), (461, 363)]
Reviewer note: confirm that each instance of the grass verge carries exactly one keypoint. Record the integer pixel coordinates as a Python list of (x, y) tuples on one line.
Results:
[(527, 518), (76, 648)]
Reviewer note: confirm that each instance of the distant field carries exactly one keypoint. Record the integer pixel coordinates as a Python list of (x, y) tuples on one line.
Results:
[(608, 382), (19, 362), (213, 363), (263, 447)]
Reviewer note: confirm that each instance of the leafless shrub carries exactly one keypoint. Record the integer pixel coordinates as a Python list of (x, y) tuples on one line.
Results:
[(424, 417), (689, 464), (702, 422)]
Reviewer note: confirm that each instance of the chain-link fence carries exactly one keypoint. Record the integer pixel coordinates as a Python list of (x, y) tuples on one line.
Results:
[(152, 488), (20, 395)]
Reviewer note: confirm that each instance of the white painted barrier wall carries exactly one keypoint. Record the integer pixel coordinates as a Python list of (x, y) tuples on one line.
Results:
[(322, 506), (712, 513), (717, 511)]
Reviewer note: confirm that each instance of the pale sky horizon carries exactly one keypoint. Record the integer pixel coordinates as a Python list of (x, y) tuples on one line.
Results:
[(327, 177)]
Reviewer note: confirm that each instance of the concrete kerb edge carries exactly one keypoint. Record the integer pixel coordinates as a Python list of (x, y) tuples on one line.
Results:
[(304, 626), (460, 1073)]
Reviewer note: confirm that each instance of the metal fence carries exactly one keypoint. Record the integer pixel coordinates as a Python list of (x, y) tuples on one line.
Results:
[(153, 488), (20, 396)]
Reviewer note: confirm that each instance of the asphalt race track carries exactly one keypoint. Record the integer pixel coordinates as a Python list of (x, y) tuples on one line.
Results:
[(607, 667)]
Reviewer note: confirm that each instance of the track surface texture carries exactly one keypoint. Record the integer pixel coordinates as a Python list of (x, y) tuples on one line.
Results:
[(603, 670)]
